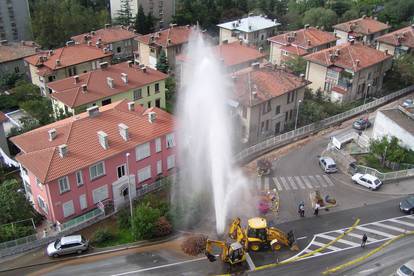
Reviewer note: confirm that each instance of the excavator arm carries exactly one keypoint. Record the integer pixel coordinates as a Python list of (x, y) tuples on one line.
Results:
[(209, 249), (236, 231)]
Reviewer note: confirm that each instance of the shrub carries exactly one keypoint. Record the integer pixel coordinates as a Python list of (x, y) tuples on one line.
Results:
[(155, 202), (194, 245), (123, 219), (162, 227), (102, 235), (143, 221), (9, 233)]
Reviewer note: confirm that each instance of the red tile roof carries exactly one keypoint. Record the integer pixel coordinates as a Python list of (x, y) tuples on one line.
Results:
[(304, 39), (172, 36), (17, 50), (3, 117), (362, 26), (349, 56), (71, 94), (267, 82), (294, 50), (404, 37), (68, 56), (107, 35), (79, 133)]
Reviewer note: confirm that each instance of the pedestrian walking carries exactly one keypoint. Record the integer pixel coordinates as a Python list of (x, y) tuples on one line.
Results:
[(301, 209), (364, 240), (316, 211)]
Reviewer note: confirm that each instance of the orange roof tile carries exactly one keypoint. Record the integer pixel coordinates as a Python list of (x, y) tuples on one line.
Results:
[(71, 94), (169, 37), (294, 50), (17, 50), (404, 37), (348, 56), (79, 133), (3, 117), (364, 26), (107, 35)]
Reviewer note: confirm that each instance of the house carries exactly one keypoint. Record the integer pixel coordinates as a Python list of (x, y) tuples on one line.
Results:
[(171, 41), (347, 72), (118, 39), (266, 100), (65, 62), (365, 29), (12, 55), (15, 20), (80, 162), (398, 122), (289, 45), (253, 30), (3, 140), (109, 84), (398, 42)]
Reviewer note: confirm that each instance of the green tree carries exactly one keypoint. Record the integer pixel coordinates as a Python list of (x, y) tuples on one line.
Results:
[(144, 221), (162, 62), (397, 12), (141, 21), (404, 68), (40, 109), (320, 17), (379, 147), (170, 94), (297, 65)]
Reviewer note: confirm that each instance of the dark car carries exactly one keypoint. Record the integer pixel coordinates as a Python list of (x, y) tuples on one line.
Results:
[(361, 124), (407, 205)]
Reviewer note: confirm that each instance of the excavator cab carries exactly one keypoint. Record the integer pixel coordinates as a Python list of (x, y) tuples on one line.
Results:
[(232, 254), (236, 253)]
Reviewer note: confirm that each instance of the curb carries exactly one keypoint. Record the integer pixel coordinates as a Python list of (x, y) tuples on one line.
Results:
[(125, 247)]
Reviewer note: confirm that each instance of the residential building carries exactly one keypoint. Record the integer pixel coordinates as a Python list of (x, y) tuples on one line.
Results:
[(3, 140), (12, 56), (106, 85), (365, 29), (290, 45), (398, 42), (65, 62), (398, 122), (347, 72), (162, 10), (171, 41), (266, 101), (118, 39), (78, 162), (253, 30), (14, 20)]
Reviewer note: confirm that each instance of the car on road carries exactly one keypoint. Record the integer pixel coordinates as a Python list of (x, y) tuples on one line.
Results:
[(406, 269), (67, 245), (367, 180), (407, 205), (408, 103), (327, 164), (361, 124)]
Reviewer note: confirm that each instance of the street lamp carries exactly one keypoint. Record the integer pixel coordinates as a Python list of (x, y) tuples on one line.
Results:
[(129, 183), (297, 113)]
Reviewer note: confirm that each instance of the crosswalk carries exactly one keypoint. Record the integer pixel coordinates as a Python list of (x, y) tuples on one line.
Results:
[(378, 231), (294, 183)]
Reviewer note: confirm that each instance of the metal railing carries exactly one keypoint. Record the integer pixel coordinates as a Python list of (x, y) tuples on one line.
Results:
[(385, 176), (16, 242), (81, 219)]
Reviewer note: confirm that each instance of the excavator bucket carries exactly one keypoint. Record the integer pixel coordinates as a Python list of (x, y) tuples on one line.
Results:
[(292, 242), (211, 257)]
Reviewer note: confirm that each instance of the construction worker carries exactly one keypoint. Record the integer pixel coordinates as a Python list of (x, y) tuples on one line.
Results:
[(364, 240)]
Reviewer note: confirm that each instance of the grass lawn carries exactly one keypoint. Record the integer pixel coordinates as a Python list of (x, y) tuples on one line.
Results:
[(120, 236)]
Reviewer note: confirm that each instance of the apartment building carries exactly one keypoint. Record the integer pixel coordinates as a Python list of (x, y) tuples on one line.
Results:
[(252, 30), (109, 84), (266, 101), (65, 62), (397, 43), (12, 56), (299, 43), (347, 72), (118, 39), (14, 20), (80, 162), (365, 29)]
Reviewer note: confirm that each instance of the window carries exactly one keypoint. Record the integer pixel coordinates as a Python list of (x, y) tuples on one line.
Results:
[(16, 69), (97, 170), (158, 145), (118, 49), (267, 107), (144, 174), (267, 125), (244, 112), (158, 103), (137, 94), (72, 71), (277, 128), (369, 75), (159, 167), (285, 53), (68, 208), (79, 178), (148, 90), (100, 194), (120, 171), (64, 184), (328, 86), (149, 104), (157, 88), (142, 151), (41, 203), (106, 102), (82, 202), (262, 126), (170, 140), (291, 114), (170, 162), (286, 116), (39, 184), (277, 112), (375, 81)]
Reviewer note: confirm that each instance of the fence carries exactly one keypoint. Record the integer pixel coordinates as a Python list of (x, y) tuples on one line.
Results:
[(385, 176), (81, 219), (251, 152)]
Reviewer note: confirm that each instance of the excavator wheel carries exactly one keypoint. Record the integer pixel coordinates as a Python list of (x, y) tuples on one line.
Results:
[(254, 246), (276, 247)]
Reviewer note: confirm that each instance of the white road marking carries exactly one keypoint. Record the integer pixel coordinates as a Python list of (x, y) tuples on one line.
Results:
[(390, 227), (360, 236), (327, 179), (300, 183), (301, 238), (267, 183), (369, 230), (331, 247), (366, 270), (285, 183), (340, 241), (410, 217), (314, 181), (307, 182), (308, 251), (321, 181), (250, 262), (402, 222), (278, 186), (292, 183)]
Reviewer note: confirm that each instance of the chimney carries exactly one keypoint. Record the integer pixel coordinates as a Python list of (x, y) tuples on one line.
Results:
[(58, 62), (103, 139), (131, 106), (52, 134), (169, 41), (352, 41), (50, 52), (93, 111), (225, 41), (103, 65), (63, 150), (70, 42), (261, 49), (89, 43), (3, 42), (357, 61), (152, 116), (84, 88), (255, 65), (364, 16), (306, 26), (412, 26), (93, 33), (144, 69), (241, 42), (124, 77), (123, 131), (130, 63), (76, 79), (107, 26), (309, 42), (302, 76), (110, 82)]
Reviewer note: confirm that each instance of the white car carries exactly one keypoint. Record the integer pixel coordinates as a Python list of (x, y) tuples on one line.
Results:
[(367, 180), (406, 269)]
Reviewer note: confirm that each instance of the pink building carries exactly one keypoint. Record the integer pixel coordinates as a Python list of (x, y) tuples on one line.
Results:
[(68, 167)]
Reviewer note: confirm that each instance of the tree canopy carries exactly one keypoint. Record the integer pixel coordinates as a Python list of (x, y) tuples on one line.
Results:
[(162, 63), (124, 14), (144, 24)]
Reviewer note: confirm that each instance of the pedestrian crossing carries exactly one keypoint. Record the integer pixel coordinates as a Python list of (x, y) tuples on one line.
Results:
[(294, 183), (378, 231)]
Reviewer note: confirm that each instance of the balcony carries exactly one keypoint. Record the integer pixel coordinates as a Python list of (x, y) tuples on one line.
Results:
[(344, 83)]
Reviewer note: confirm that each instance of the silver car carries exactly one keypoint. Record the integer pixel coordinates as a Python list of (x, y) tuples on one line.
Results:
[(406, 269), (327, 164), (67, 245)]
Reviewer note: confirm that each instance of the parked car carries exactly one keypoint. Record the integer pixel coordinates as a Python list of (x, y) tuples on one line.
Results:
[(367, 180), (408, 103), (407, 205), (67, 245), (361, 124), (327, 164), (406, 269)]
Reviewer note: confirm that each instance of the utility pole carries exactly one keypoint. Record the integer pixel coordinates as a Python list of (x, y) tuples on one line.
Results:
[(297, 113), (129, 184)]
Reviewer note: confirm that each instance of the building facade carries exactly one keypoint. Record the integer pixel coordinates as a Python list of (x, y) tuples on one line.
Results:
[(397, 43), (82, 161), (12, 56), (15, 20)]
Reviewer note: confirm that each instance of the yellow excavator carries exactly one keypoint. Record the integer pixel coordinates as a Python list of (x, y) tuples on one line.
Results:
[(230, 253), (258, 235)]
